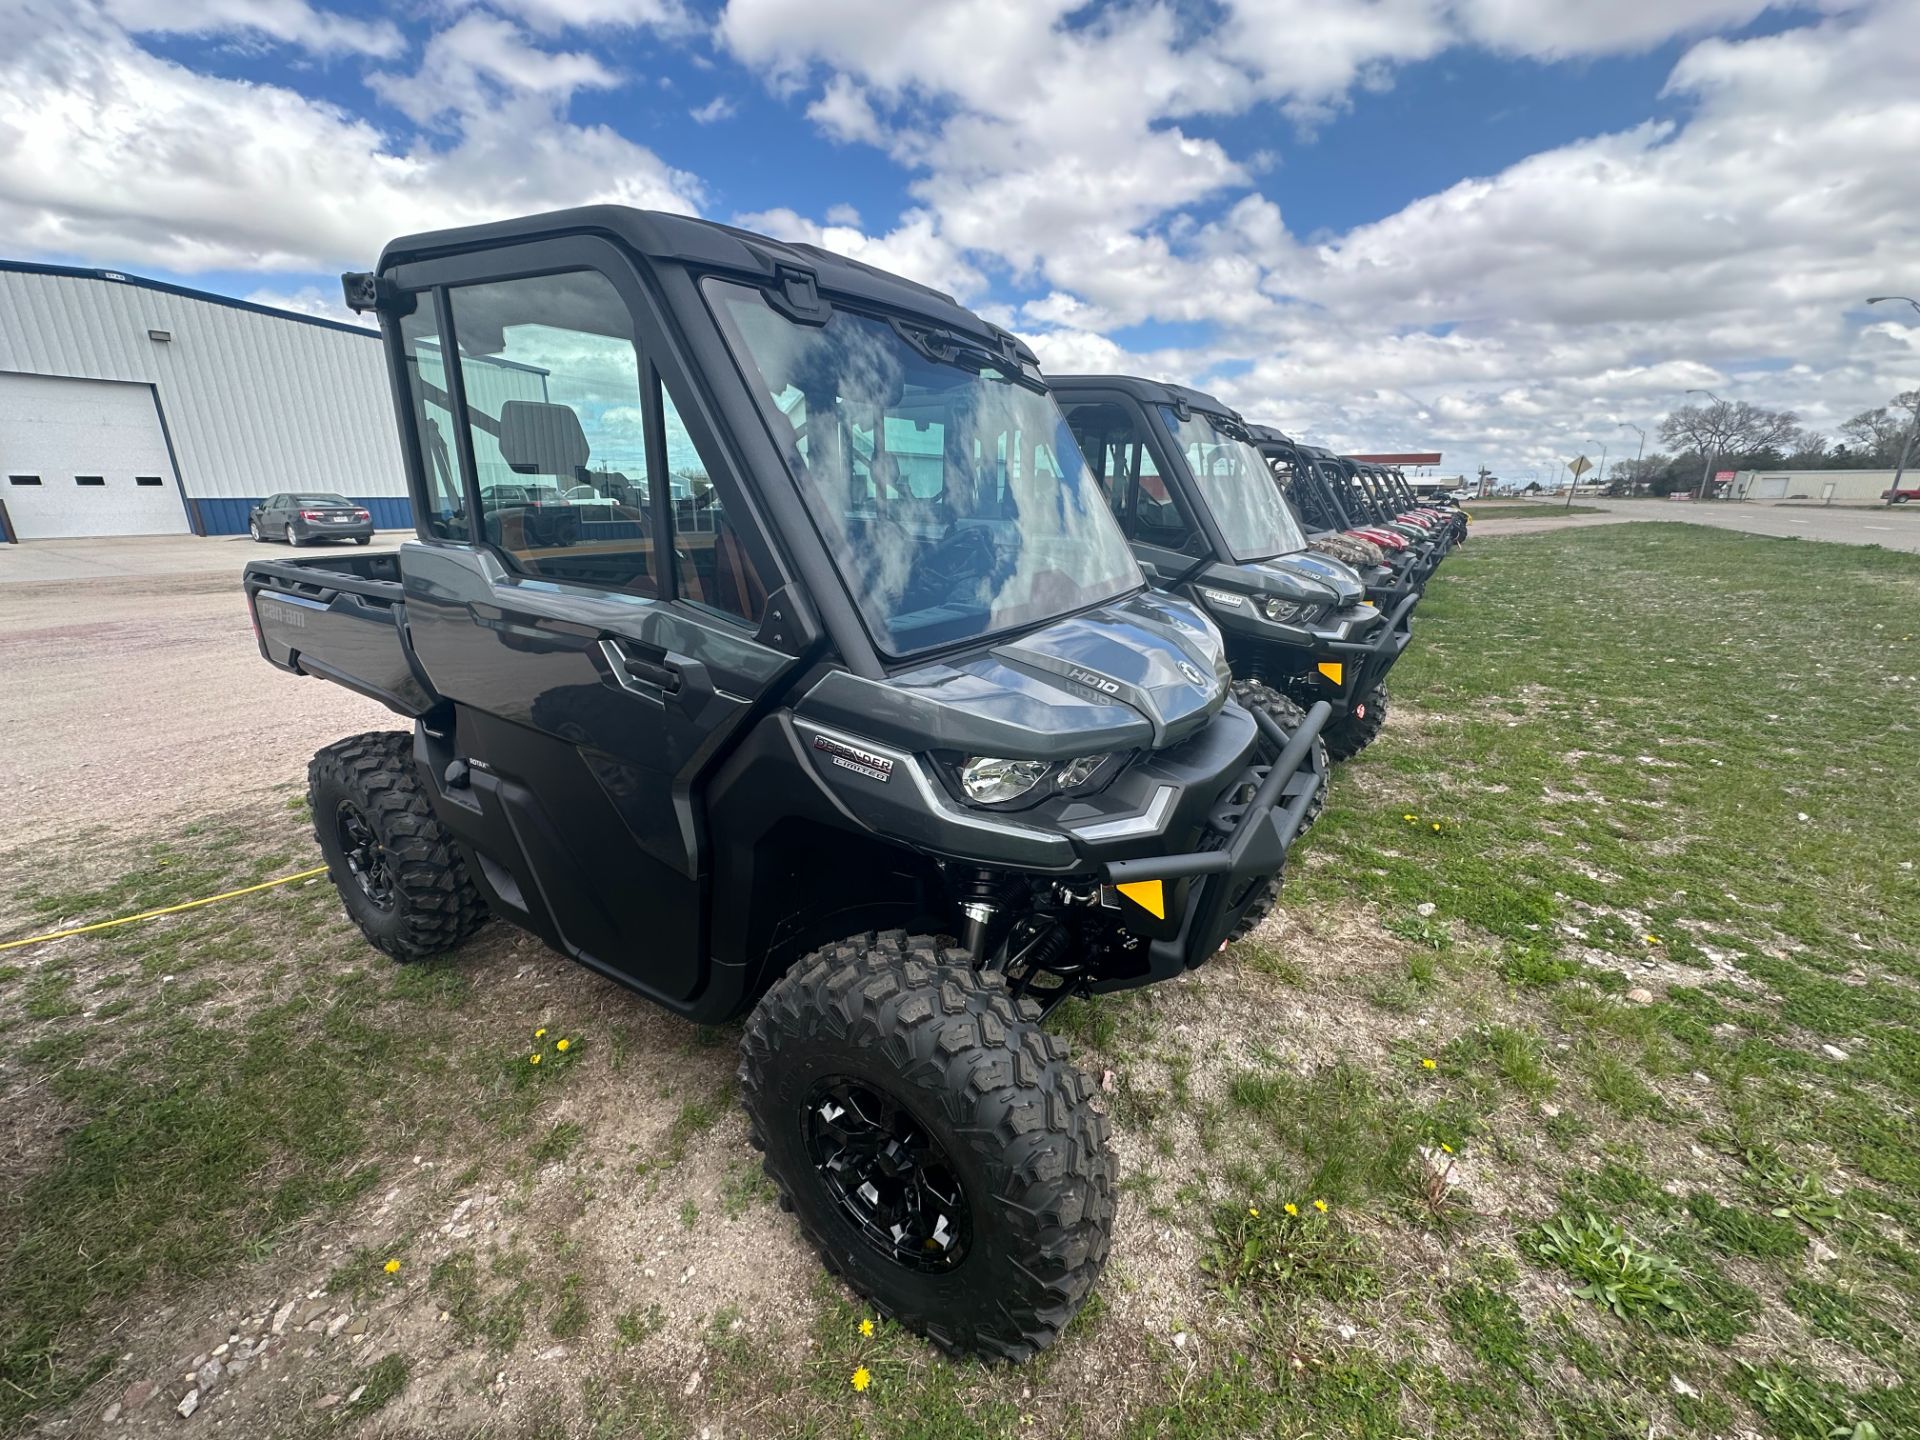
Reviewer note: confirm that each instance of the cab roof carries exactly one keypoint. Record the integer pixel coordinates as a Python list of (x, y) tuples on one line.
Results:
[(1150, 392), (703, 245)]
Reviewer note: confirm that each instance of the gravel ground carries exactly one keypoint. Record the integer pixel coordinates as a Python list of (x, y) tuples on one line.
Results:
[(138, 700)]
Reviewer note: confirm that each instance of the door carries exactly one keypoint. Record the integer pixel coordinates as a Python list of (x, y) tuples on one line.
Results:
[(590, 597), (1113, 437), (85, 457)]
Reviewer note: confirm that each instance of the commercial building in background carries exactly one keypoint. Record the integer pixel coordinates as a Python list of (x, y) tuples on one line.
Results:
[(134, 407), (1850, 487)]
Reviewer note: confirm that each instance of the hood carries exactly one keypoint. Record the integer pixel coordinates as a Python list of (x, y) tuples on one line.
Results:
[(1141, 673), (1339, 578)]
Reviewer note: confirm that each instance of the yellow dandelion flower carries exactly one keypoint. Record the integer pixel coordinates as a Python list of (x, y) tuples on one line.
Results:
[(866, 1328), (1436, 825), (1291, 1208), (862, 1378), (393, 1267), (533, 1059), (1409, 818), (1653, 939), (1429, 1064), (541, 1033), (1446, 1147), (1254, 1211), (1321, 1206), (561, 1044)]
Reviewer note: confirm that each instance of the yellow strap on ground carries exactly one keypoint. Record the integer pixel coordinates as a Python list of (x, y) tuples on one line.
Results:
[(168, 910)]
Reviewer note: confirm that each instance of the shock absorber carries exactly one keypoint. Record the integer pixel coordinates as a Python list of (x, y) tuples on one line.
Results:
[(980, 896)]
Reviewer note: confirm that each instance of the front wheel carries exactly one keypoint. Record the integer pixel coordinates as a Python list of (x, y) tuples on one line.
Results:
[(934, 1144), (1359, 727), (1290, 717), (397, 869), (253, 529)]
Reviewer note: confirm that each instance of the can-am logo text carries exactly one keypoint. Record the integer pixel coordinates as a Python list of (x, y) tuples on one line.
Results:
[(861, 762), (1097, 682)]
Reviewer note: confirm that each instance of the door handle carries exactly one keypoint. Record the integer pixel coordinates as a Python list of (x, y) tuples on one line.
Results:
[(653, 668), (662, 673)]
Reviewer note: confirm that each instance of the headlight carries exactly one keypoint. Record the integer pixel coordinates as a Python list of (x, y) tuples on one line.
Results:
[(988, 781), (1288, 612)]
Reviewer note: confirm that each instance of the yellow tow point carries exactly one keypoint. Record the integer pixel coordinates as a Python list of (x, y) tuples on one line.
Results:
[(1334, 671)]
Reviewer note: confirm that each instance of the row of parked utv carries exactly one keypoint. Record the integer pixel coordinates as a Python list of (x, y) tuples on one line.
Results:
[(778, 641)]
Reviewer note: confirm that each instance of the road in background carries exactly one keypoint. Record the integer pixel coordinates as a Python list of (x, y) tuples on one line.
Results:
[(1842, 525)]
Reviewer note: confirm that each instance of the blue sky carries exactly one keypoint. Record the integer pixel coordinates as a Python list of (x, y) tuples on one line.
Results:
[(1492, 227)]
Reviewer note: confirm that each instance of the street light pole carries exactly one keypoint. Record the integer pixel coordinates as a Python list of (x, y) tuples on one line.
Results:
[(1706, 475), (1913, 427), (1633, 482)]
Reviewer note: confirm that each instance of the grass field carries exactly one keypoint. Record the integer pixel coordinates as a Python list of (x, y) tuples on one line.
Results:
[(1591, 1017)]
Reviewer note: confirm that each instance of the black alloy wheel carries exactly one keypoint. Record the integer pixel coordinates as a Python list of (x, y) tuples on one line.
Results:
[(888, 1175), (366, 856)]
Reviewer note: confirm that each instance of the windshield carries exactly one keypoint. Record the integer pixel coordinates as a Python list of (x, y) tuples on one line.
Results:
[(1237, 486), (954, 501), (337, 502)]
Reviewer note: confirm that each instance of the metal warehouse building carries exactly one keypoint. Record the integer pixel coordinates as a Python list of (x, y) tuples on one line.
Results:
[(132, 407)]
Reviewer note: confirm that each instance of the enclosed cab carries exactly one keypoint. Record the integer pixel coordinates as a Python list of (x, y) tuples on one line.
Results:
[(1200, 507), (1386, 572), (767, 647)]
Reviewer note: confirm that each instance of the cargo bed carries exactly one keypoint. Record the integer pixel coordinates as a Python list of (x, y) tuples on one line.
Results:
[(341, 618)]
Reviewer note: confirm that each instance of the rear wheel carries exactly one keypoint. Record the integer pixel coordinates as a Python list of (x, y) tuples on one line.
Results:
[(1360, 727), (397, 870), (933, 1142), (290, 536), (363, 539)]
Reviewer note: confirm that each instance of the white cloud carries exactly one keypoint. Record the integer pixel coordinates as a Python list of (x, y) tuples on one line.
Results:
[(110, 153), (291, 22), (310, 300), (845, 114), (552, 16), (717, 109)]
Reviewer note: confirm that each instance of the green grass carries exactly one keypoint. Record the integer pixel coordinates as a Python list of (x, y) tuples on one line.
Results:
[(1617, 731)]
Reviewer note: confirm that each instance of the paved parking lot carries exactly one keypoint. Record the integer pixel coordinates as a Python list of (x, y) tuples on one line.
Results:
[(131, 689), (1845, 525)]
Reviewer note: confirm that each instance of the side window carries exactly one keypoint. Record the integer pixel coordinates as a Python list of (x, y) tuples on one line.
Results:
[(552, 382), (1115, 444), (445, 502), (711, 566)]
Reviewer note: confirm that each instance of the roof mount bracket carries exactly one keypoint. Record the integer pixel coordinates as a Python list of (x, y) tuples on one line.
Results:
[(796, 295)]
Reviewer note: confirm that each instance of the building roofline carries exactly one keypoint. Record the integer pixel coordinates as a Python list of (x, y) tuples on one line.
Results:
[(121, 277)]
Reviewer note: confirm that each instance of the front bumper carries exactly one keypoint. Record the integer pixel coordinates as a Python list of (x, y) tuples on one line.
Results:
[(1206, 892), (1355, 667)]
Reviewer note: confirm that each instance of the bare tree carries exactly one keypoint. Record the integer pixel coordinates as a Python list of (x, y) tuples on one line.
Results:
[(1727, 429), (1879, 434)]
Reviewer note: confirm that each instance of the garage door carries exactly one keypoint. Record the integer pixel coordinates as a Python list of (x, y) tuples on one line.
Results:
[(84, 457)]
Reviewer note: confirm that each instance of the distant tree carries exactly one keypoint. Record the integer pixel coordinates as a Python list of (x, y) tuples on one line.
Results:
[(1806, 451), (1728, 430), (1532, 487), (1635, 477), (1877, 435)]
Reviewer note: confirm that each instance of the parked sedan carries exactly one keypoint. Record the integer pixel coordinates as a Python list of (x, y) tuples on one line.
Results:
[(299, 516)]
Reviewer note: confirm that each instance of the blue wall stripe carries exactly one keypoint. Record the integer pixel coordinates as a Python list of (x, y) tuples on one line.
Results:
[(225, 516)]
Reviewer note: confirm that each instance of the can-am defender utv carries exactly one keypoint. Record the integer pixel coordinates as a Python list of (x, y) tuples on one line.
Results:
[(1387, 572), (1395, 497), (1207, 522), (769, 650)]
